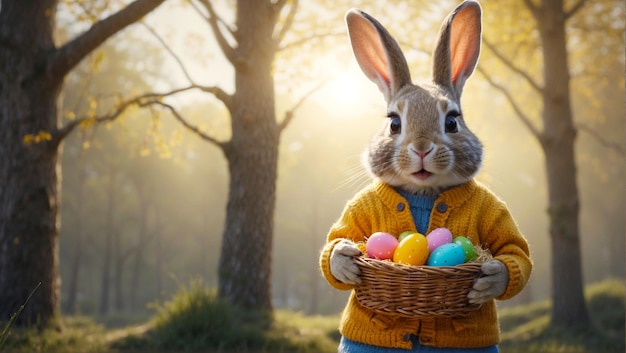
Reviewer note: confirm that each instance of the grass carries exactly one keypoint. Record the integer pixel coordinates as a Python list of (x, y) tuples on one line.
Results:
[(196, 320), (79, 334), (6, 331), (525, 329), (181, 325)]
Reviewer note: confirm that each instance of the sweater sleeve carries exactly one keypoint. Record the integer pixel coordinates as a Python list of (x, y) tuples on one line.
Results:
[(506, 243), (350, 226), (325, 266)]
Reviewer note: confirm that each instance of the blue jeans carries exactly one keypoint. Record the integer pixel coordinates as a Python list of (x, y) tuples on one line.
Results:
[(348, 346)]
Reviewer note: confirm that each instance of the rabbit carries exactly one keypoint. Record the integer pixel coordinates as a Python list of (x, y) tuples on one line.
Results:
[(426, 152), (425, 146)]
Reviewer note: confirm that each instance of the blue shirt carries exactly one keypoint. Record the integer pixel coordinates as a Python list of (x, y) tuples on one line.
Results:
[(421, 207), (348, 346)]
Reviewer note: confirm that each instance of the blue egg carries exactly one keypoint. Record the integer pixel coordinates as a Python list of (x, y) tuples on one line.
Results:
[(450, 254)]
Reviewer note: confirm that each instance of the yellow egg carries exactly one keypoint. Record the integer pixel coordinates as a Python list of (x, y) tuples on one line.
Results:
[(412, 250)]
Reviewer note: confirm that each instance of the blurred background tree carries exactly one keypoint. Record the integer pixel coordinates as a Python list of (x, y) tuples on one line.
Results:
[(33, 67), (535, 50)]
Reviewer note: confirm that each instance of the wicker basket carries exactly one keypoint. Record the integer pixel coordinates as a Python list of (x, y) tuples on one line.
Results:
[(416, 291)]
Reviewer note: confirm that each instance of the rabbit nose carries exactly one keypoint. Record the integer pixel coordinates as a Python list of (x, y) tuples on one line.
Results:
[(421, 154)]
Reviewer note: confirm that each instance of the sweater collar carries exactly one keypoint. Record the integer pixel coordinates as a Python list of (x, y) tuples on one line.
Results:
[(453, 197), (419, 201), (457, 195)]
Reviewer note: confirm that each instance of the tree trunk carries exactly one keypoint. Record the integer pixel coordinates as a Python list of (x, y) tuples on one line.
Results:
[(569, 309), (32, 70), (108, 248), (119, 271), (70, 306), (141, 243), (158, 254), (252, 154), (29, 180)]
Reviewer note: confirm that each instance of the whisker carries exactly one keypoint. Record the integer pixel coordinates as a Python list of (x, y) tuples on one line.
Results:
[(357, 175), (356, 180)]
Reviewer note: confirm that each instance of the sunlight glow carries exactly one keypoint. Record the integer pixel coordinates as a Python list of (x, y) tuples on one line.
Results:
[(349, 93), (346, 88)]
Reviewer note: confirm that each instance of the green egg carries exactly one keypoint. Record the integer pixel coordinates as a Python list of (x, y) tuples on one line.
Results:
[(405, 234), (468, 247)]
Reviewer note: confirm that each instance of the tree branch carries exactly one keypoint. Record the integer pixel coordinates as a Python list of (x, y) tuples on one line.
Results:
[(289, 114), (525, 119), (195, 7), (291, 15), (219, 93), (192, 128), (170, 51), (534, 9), (508, 63), (279, 4), (601, 139), (214, 21), (62, 60), (575, 9), (231, 31), (141, 100), (304, 40)]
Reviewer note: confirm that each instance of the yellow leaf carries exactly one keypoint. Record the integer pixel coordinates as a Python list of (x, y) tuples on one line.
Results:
[(88, 122), (28, 139), (165, 154), (40, 137), (93, 104)]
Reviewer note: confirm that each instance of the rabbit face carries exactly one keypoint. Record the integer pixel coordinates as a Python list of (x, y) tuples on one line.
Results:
[(424, 146)]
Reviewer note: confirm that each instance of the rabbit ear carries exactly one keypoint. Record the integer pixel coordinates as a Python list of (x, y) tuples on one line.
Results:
[(377, 53), (458, 47)]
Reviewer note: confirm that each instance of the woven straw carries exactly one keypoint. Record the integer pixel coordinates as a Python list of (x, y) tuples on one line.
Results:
[(416, 291)]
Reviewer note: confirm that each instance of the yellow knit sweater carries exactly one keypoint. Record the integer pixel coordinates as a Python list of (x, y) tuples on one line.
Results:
[(469, 209)]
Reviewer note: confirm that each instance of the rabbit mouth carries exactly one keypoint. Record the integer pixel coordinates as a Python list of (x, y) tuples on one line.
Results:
[(422, 174)]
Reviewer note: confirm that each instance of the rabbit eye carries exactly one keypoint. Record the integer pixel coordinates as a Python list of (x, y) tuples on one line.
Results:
[(395, 124), (451, 125)]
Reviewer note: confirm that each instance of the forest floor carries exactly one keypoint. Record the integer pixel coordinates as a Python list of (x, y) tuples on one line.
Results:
[(524, 329)]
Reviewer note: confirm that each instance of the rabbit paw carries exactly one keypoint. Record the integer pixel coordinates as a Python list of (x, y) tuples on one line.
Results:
[(342, 264), (491, 285)]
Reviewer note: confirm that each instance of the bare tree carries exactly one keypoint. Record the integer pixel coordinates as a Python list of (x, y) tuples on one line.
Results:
[(32, 70), (250, 45), (557, 137)]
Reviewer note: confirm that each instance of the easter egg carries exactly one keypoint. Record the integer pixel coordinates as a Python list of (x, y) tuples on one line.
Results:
[(468, 247), (450, 254), (405, 234), (412, 250), (381, 246), (438, 237)]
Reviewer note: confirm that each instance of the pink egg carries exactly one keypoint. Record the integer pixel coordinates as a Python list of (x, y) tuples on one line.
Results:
[(438, 237), (381, 246)]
